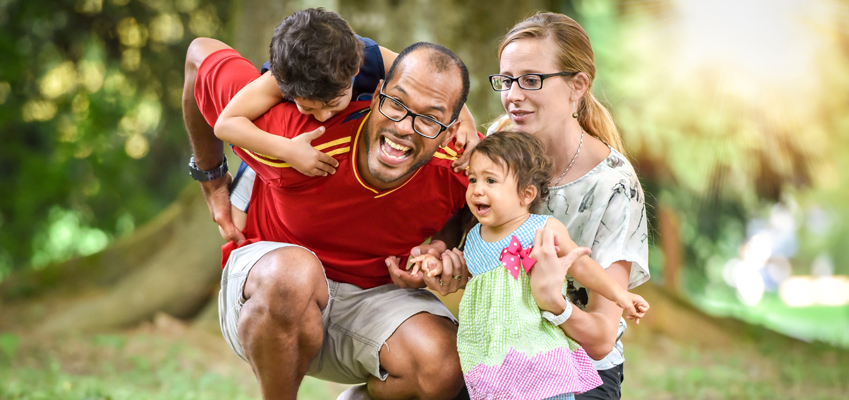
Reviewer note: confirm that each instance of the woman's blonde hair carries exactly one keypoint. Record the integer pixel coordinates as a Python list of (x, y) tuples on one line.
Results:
[(575, 55)]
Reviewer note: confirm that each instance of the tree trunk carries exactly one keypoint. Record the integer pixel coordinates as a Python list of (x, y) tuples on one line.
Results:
[(179, 271)]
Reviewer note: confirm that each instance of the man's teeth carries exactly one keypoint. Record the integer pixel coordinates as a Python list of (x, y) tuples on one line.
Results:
[(396, 146)]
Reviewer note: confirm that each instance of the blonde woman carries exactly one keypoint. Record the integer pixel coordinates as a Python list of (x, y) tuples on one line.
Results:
[(545, 81)]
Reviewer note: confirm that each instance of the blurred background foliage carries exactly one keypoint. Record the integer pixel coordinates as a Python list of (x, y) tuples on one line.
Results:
[(90, 109), (734, 113)]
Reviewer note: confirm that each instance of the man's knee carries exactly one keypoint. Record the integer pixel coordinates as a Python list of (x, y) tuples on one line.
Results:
[(286, 293), (288, 279), (429, 352)]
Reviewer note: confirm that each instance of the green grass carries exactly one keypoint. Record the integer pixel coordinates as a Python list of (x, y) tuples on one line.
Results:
[(662, 369), (173, 361), (157, 363), (114, 367)]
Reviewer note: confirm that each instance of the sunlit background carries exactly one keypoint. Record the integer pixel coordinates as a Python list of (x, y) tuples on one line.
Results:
[(734, 113), (743, 106)]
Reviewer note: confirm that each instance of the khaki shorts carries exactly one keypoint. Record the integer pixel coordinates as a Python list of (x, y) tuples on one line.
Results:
[(356, 322)]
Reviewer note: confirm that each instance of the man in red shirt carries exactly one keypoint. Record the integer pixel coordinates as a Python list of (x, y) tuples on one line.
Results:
[(308, 291)]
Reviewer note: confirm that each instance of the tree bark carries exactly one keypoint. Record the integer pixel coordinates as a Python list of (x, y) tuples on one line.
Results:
[(177, 278)]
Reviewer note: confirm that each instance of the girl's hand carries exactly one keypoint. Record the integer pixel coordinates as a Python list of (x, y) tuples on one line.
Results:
[(428, 263), (635, 306), (306, 159)]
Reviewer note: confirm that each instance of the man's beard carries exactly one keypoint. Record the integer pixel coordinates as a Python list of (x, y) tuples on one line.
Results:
[(374, 165)]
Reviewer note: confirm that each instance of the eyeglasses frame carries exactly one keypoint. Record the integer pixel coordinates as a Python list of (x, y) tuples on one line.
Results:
[(542, 78), (384, 96)]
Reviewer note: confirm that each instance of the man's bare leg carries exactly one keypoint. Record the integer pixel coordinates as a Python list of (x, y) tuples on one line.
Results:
[(280, 323), (422, 361)]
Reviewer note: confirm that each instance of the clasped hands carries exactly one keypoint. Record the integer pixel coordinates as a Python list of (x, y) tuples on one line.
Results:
[(451, 275)]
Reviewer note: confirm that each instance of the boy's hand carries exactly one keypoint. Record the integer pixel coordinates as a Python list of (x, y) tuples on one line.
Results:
[(466, 140), (306, 159), (635, 306)]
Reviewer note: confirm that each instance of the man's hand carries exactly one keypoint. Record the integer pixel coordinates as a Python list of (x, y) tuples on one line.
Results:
[(454, 274), (402, 277), (435, 245), (306, 159), (217, 194)]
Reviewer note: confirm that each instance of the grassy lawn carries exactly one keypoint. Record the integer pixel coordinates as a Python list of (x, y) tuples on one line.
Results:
[(167, 359), (161, 360)]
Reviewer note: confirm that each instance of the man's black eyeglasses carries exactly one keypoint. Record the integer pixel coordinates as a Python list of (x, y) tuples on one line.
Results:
[(396, 111)]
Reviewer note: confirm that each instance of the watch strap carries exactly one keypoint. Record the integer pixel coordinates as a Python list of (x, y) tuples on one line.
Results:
[(208, 175), (559, 319)]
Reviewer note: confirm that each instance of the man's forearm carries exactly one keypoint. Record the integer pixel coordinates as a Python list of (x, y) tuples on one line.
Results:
[(208, 150)]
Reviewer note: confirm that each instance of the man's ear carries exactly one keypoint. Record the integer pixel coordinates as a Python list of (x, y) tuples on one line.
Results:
[(450, 133), (375, 97), (528, 194)]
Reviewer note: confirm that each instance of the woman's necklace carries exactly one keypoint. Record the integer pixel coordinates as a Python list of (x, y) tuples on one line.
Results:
[(581, 143)]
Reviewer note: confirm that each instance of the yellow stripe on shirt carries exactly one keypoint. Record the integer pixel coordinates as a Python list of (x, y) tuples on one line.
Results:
[(272, 162)]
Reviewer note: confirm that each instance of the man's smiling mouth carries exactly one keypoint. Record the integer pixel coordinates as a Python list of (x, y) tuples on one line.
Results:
[(393, 150)]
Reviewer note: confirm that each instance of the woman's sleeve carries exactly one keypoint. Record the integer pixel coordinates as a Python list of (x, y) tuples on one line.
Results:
[(623, 232)]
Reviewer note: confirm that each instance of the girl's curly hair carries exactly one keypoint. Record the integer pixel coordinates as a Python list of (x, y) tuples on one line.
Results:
[(521, 154)]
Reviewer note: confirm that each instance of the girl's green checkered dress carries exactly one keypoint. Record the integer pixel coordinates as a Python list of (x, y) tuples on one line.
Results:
[(507, 350)]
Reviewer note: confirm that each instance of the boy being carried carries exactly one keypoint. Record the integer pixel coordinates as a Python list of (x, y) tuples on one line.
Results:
[(321, 65)]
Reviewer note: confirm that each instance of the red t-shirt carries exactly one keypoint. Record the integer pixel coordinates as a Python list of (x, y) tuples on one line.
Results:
[(350, 226)]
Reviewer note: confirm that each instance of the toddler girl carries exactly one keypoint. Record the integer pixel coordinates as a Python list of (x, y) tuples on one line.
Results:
[(508, 347)]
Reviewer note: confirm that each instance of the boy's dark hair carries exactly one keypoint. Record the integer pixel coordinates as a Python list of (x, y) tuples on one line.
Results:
[(314, 54), (440, 60), (522, 155)]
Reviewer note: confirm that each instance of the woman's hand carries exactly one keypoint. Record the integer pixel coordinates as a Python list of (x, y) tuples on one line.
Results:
[(549, 273), (454, 274), (466, 140)]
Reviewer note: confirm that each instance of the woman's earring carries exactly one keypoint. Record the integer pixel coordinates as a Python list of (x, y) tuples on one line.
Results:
[(574, 113)]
